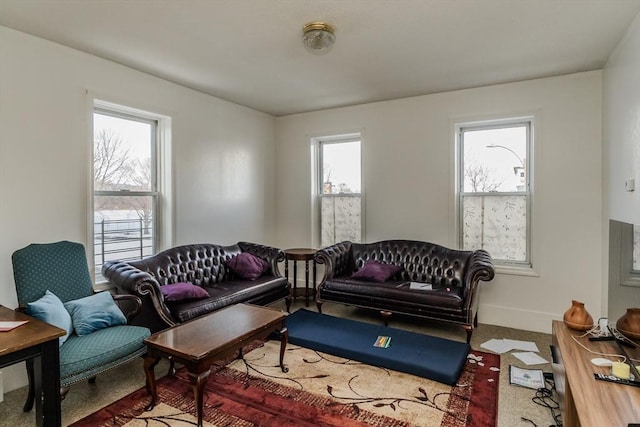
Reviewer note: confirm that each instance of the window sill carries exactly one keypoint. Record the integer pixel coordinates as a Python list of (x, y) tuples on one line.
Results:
[(516, 271), (104, 286)]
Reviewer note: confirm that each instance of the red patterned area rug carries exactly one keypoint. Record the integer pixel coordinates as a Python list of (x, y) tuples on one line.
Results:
[(318, 390)]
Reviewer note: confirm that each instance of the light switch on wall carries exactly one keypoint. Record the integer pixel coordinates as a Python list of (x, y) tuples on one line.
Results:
[(629, 184)]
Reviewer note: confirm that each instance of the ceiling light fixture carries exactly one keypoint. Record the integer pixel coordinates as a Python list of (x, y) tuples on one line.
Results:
[(318, 37)]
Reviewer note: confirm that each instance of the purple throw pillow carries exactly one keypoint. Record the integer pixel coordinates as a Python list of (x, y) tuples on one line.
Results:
[(248, 266), (375, 271), (183, 291)]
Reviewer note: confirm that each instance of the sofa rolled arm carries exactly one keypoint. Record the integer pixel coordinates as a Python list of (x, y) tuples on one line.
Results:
[(133, 281), (269, 253), (480, 268), (335, 259)]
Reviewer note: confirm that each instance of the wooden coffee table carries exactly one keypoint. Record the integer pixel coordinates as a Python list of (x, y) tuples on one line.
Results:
[(198, 343)]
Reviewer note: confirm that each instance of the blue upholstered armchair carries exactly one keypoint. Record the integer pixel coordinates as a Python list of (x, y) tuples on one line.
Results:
[(53, 283)]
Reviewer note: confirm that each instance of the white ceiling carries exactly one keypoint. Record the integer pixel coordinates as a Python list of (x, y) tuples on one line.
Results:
[(249, 51)]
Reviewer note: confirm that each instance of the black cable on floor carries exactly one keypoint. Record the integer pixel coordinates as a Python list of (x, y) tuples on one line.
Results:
[(544, 397)]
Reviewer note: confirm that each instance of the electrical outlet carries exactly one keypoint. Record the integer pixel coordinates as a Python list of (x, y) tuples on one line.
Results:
[(603, 325), (630, 184)]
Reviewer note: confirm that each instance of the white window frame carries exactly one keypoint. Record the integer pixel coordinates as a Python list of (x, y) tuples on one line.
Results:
[(163, 224), (506, 266), (317, 178)]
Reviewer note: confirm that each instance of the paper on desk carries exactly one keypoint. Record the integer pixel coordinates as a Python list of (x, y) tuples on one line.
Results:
[(522, 345), (6, 326), (530, 358)]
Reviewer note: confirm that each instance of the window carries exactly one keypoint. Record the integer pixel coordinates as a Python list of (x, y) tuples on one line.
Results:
[(125, 186), (495, 189), (339, 189)]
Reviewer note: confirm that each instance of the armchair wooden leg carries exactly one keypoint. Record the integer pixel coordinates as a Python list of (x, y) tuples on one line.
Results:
[(28, 405), (92, 380), (287, 301), (319, 305)]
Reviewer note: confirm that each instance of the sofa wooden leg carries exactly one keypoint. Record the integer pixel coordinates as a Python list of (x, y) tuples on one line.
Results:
[(63, 392), (469, 330), (319, 305), (287, 302), (385, 316)]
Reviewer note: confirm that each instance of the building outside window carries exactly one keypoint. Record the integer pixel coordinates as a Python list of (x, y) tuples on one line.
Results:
[(494, 188), (125, 187), (340, 189)]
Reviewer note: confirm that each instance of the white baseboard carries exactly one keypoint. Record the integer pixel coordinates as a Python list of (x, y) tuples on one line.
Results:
[(528, 320)]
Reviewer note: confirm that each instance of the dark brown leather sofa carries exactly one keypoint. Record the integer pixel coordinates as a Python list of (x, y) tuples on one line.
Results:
[(453, 274), (202, 265)]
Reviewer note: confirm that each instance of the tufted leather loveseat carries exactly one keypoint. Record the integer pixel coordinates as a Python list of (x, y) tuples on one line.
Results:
[(203, 265), (453, 274)]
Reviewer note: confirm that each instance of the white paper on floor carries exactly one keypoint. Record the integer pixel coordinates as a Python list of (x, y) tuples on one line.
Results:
[(504, 345), (530, 358)]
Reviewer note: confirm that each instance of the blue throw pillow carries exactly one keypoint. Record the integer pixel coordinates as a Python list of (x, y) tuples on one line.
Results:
[(97, 311), (50, 309)]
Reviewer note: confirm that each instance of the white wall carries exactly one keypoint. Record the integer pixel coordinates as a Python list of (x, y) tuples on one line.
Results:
[(621, 150), (223, 154), (408, 177)]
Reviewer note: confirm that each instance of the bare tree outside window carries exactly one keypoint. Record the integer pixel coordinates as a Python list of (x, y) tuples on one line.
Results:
[(482, 178)]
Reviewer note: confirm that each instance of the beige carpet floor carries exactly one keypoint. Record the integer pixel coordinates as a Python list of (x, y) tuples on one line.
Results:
[(514, 402)]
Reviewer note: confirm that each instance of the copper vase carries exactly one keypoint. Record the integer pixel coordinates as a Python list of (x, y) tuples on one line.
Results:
[(577, 317), (629, 324)]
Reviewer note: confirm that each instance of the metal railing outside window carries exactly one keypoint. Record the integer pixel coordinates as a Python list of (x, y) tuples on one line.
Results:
[(121, 239)]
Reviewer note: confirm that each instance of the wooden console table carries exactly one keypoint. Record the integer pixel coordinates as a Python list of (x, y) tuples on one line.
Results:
[(585, 401), (35, 340)]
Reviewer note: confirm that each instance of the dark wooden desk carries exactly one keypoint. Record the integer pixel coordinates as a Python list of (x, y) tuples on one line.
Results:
[(38, 341), (196, 344), (306, 255), (585, 401)]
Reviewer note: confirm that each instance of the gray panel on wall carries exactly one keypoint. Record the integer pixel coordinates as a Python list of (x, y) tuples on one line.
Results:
[(624, 283)]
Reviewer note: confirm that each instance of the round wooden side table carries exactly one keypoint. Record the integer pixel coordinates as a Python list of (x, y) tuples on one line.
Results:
[(306, 255)]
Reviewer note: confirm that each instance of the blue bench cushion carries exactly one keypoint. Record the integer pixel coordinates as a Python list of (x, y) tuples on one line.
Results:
[(430, 357)]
